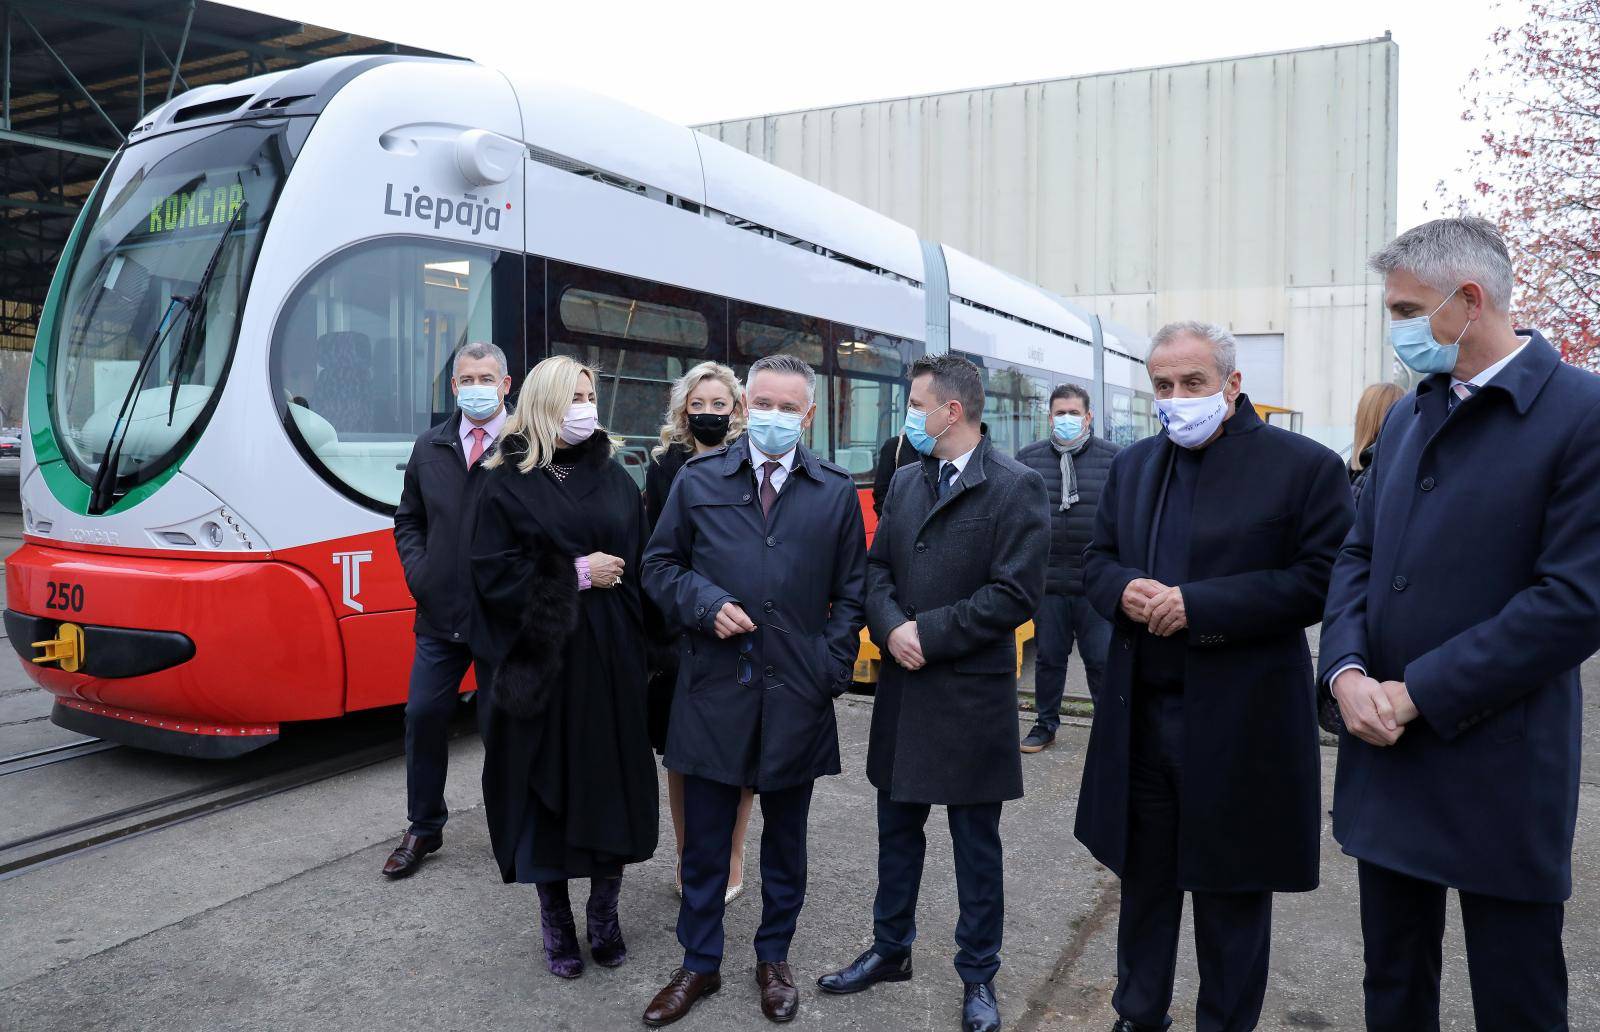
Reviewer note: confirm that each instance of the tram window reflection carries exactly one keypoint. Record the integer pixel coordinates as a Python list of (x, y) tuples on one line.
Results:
[(869, 396)]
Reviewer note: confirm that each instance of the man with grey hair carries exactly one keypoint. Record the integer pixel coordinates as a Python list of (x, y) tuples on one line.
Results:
[(432, 532), (1461, 606), (1211, 553)]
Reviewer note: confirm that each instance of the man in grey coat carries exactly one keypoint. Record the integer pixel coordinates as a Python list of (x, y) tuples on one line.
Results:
[(1074, 464), (957, 564)]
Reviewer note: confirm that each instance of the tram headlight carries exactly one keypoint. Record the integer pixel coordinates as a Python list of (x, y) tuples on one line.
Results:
[(213, 534)]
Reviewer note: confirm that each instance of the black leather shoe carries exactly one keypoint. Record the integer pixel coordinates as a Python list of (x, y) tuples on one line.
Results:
[(1124, 1025), (407, 856), (980, 1011), (866, 970)]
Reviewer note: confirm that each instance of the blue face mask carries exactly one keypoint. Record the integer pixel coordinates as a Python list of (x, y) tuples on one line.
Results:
[(774, 432), (1413, 341), (479, 401), (1067, 428), (916, 431)]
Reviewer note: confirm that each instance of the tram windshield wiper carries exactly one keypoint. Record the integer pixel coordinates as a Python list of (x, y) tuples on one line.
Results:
[(103, 492)]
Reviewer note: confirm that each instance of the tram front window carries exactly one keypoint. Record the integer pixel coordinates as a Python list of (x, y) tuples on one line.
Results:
[(361, 356), (136, 335)]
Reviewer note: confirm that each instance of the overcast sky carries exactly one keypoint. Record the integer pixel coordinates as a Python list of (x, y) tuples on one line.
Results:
[(706, 60)]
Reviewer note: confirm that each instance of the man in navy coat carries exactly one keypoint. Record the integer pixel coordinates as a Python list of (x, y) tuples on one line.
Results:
[(1461, 607), (1211, 554)]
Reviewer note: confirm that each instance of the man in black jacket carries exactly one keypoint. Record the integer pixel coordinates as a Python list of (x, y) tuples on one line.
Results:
[(1074, 463), (956, 566), (432, 530)]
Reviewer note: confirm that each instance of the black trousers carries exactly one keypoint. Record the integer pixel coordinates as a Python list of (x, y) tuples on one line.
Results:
[(980, 882), (710, 809), (1514, 956), (1232, 930), (431, 701), (1061, 620)]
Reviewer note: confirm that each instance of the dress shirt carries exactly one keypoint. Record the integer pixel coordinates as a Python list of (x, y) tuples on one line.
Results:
[(780, 476), (491, 431)]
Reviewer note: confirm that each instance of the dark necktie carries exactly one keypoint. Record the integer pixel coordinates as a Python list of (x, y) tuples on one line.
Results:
[(947, 478), (1459, 393), (769, 491)]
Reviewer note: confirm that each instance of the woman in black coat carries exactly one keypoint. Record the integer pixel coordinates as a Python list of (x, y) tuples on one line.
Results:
[(705, 411), (568, 779)]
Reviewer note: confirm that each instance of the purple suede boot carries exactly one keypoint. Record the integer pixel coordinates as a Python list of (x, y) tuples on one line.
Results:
[(560, 933), (605, 931)]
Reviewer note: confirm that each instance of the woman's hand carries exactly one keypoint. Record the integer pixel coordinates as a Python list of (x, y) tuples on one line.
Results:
[(605, 570)]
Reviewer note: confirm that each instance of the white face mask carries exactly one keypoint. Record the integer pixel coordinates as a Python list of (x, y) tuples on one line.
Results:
[(580, 422), (1190, 422)]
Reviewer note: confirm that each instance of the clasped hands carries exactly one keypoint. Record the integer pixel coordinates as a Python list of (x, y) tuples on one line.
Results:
[(1157, 606), (1375, 712)]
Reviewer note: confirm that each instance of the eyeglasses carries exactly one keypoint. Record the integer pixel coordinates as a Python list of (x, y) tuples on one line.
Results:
[(744, 668)]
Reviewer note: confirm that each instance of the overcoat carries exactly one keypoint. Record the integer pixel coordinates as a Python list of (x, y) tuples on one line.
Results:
[(573, 788), (433, 530), (1270, 509), (1473, 575), (969, 569), (1070, 529), (756, 710)]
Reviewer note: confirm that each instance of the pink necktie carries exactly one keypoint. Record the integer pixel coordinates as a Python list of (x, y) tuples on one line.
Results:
[(478, 434)]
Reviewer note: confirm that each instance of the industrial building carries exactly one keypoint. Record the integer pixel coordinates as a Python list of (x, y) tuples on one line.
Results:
[(1246, 191)]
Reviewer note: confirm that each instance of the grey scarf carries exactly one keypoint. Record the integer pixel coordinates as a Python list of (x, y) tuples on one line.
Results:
[(1069, 474)]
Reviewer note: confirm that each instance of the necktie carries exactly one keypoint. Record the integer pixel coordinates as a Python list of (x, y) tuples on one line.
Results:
[(478, 434), (947, 478), (769, 491), (1460, 392)]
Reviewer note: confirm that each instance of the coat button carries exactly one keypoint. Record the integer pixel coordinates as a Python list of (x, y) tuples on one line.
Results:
[(700, 611), (1427, 483), (1399, 583), (772, 542), (911, 612), (746, 498), (768, 606), (922, 546), (455, 634), (770, 672)]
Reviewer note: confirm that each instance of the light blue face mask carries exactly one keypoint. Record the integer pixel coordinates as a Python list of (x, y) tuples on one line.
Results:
[(774, 432), (1067, 428), (1413, 340), (916, 431), (479, 401)]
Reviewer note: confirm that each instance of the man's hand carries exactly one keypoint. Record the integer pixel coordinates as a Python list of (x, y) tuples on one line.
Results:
[(731, 620), (1137, 594), (605, 570), (1364, 704), (1405, 711), (905, 645), (1164, 612)]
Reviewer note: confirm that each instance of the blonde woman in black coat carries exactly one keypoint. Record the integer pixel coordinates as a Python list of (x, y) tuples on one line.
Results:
[(568, 779)]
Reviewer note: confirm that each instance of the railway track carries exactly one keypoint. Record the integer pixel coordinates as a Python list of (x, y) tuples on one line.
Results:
[(54, 754)]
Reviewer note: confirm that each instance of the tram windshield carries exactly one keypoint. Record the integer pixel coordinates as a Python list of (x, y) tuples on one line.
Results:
[(140, 350)]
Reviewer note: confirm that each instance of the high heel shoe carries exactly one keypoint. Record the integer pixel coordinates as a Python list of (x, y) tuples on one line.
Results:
[(605, 931), (560, 931), (733, 893)]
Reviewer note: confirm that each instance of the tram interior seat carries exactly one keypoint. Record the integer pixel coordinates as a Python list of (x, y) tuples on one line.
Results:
[(344, 380)]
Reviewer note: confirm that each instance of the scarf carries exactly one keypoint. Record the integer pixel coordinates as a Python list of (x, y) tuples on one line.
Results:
[(1069, 474)]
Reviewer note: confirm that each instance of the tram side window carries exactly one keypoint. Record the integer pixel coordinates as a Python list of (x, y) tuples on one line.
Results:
[(639, 336), (1016, 406), (869, 395), (759, 332), (361, 358)]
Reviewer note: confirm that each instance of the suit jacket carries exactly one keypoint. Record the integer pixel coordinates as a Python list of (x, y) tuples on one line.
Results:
[(1270, 509), (799, 576), (969, 570), (1473, 575)]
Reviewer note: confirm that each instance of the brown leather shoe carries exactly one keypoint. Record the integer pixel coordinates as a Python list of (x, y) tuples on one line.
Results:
[(780, 1000), (407, 856), (678, 997)]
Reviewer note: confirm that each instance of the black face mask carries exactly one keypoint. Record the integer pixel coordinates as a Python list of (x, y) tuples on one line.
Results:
[(709, 428)]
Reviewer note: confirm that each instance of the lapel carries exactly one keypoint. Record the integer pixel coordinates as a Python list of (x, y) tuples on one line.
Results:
[(1147, 503), (972, 476), (448, 435)]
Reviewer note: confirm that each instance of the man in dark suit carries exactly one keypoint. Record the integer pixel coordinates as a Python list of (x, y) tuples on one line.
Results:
[(759, 560), (432, 531), (956, 566), (1211, 554), (1074, 464), (1461, 607)]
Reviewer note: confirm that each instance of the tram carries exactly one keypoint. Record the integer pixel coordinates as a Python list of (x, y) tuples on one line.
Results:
[(253, 318)]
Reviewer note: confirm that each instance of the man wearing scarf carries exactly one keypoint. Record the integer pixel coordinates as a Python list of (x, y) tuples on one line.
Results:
[(1074, 463)]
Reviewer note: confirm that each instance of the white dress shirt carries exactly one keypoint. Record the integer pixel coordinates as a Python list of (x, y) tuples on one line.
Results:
[(780, 476)]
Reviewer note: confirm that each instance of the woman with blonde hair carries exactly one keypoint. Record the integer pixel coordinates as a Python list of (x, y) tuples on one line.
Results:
[(568, 780), (1375, 403), (705, 411)]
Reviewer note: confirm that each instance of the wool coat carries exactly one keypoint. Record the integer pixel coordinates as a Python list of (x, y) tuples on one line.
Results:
[(756, 710), (969, 569), (1473, 575), (1270, 510)]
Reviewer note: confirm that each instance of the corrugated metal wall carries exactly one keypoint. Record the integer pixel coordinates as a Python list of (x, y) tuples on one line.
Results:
[(1246, 191)]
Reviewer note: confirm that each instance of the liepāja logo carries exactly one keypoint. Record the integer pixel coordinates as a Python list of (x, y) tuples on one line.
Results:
[(471, 212)]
